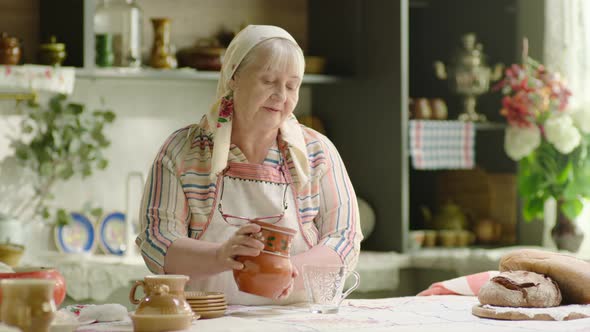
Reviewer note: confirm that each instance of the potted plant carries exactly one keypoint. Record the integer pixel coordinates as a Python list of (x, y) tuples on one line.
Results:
[(551, 144), (55, 143)]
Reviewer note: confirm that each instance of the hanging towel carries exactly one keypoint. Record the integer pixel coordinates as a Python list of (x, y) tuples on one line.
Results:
[(442, 144)]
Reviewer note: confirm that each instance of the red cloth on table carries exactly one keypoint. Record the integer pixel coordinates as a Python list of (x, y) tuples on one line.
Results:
[(465, 285)]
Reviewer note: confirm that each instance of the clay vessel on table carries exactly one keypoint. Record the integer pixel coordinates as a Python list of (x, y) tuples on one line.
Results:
[(59, 291), (160, 291), (269, 273)]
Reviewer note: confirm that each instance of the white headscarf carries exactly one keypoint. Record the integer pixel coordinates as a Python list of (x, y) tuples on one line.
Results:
[(290, 130)]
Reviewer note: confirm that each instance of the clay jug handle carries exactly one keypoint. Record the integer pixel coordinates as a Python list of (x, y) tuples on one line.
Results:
[(132, 298)]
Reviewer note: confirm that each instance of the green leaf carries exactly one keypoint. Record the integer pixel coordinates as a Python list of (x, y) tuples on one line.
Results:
[(529, 185), (62, 217), (66, 171), (96, 212), (45, 213), (102, 164), (75, 108), (46, 169), (572, 208), (86, 171), (27, 129), (109, 116), (22, 152), (222, 120), (533, 209), (565, 173)]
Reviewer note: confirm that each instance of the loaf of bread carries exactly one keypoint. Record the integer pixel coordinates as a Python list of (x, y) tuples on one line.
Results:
[(571, 274), (520, 289)]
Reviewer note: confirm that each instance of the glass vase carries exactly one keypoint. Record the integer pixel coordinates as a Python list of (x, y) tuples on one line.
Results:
[(566, 233)]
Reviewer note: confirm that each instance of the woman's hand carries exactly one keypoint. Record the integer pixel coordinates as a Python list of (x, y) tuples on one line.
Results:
[(240, 244), (287, 291)]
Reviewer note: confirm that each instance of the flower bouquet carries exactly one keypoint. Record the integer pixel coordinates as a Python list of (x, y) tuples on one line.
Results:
[(550, 141)]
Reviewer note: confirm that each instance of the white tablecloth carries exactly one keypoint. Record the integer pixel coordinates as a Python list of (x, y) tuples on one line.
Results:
[(431, 313)]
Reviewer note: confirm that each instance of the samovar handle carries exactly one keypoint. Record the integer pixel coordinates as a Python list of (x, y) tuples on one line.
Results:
[(440, 70), (497, 72)]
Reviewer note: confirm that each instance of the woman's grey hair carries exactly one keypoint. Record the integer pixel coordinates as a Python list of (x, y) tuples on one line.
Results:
[(283, 52)]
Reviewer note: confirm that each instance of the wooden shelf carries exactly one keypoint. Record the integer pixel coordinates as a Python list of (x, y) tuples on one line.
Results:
[(178, 74), (490, 126)]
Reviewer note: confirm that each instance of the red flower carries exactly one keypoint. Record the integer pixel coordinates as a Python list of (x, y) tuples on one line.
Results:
[(227, 107), (516, 109)]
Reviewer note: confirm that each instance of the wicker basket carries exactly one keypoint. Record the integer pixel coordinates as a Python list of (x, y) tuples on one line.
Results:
[(10, 254)]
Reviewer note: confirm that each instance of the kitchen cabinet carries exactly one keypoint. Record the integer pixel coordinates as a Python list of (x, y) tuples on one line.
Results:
[(379, 54), (389, 47)]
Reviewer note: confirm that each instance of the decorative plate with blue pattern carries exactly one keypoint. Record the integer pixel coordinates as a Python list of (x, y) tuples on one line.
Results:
[(112, 233), (76, 237)]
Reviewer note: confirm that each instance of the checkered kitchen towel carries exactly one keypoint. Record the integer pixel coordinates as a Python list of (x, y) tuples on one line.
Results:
[(442, 144)]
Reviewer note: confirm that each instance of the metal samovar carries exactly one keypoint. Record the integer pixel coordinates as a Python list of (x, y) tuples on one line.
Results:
[(469, 76)]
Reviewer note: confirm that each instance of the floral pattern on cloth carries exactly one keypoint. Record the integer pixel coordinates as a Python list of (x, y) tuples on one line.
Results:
[(96, 313), (226, 109)]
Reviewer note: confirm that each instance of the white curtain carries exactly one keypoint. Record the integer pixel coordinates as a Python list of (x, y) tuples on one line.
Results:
[(567, 45), (567, 50)]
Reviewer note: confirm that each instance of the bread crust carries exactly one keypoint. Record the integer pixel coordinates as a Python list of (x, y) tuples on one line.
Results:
[(520, 289), (571, 274)]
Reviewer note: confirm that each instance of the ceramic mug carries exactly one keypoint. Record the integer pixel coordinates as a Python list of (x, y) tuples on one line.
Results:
[(156, 299), (27, 304), (324, 286)]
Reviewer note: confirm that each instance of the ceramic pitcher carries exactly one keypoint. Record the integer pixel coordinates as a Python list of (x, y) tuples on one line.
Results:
[(269, 273), (152, 286)]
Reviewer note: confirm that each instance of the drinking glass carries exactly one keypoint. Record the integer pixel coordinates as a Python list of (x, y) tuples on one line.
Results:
[(324, 286)]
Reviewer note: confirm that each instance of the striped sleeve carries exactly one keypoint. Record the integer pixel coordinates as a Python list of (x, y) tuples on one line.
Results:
[(338, 218), (164, 213)]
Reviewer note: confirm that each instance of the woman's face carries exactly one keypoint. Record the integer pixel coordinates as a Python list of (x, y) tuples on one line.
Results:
[(264, 97)]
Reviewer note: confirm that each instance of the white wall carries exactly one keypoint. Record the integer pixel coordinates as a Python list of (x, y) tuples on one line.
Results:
[(148, 111)]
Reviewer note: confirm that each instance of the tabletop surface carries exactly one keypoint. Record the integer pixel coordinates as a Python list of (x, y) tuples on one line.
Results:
[(429, 313)]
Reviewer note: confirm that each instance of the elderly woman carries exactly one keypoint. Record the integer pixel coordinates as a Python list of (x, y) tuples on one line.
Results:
[(279, 168)]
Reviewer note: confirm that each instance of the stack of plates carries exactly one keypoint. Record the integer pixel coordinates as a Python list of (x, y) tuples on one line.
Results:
[(207, 304)]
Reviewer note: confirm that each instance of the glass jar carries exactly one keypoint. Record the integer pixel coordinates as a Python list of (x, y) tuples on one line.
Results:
[(122, 19)]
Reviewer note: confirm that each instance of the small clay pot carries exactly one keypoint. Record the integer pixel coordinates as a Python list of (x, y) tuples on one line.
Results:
[(420, 109), (206, 55), (439, 109), (10, 50), (269, 273), (52, 53)]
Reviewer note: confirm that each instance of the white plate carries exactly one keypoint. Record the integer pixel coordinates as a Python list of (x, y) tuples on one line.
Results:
[(76, 237), (112, 233), (367, 216)]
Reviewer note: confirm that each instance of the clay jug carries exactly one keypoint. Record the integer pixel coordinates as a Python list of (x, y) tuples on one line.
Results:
[(152, 287), (10, 50), (269, 273)]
